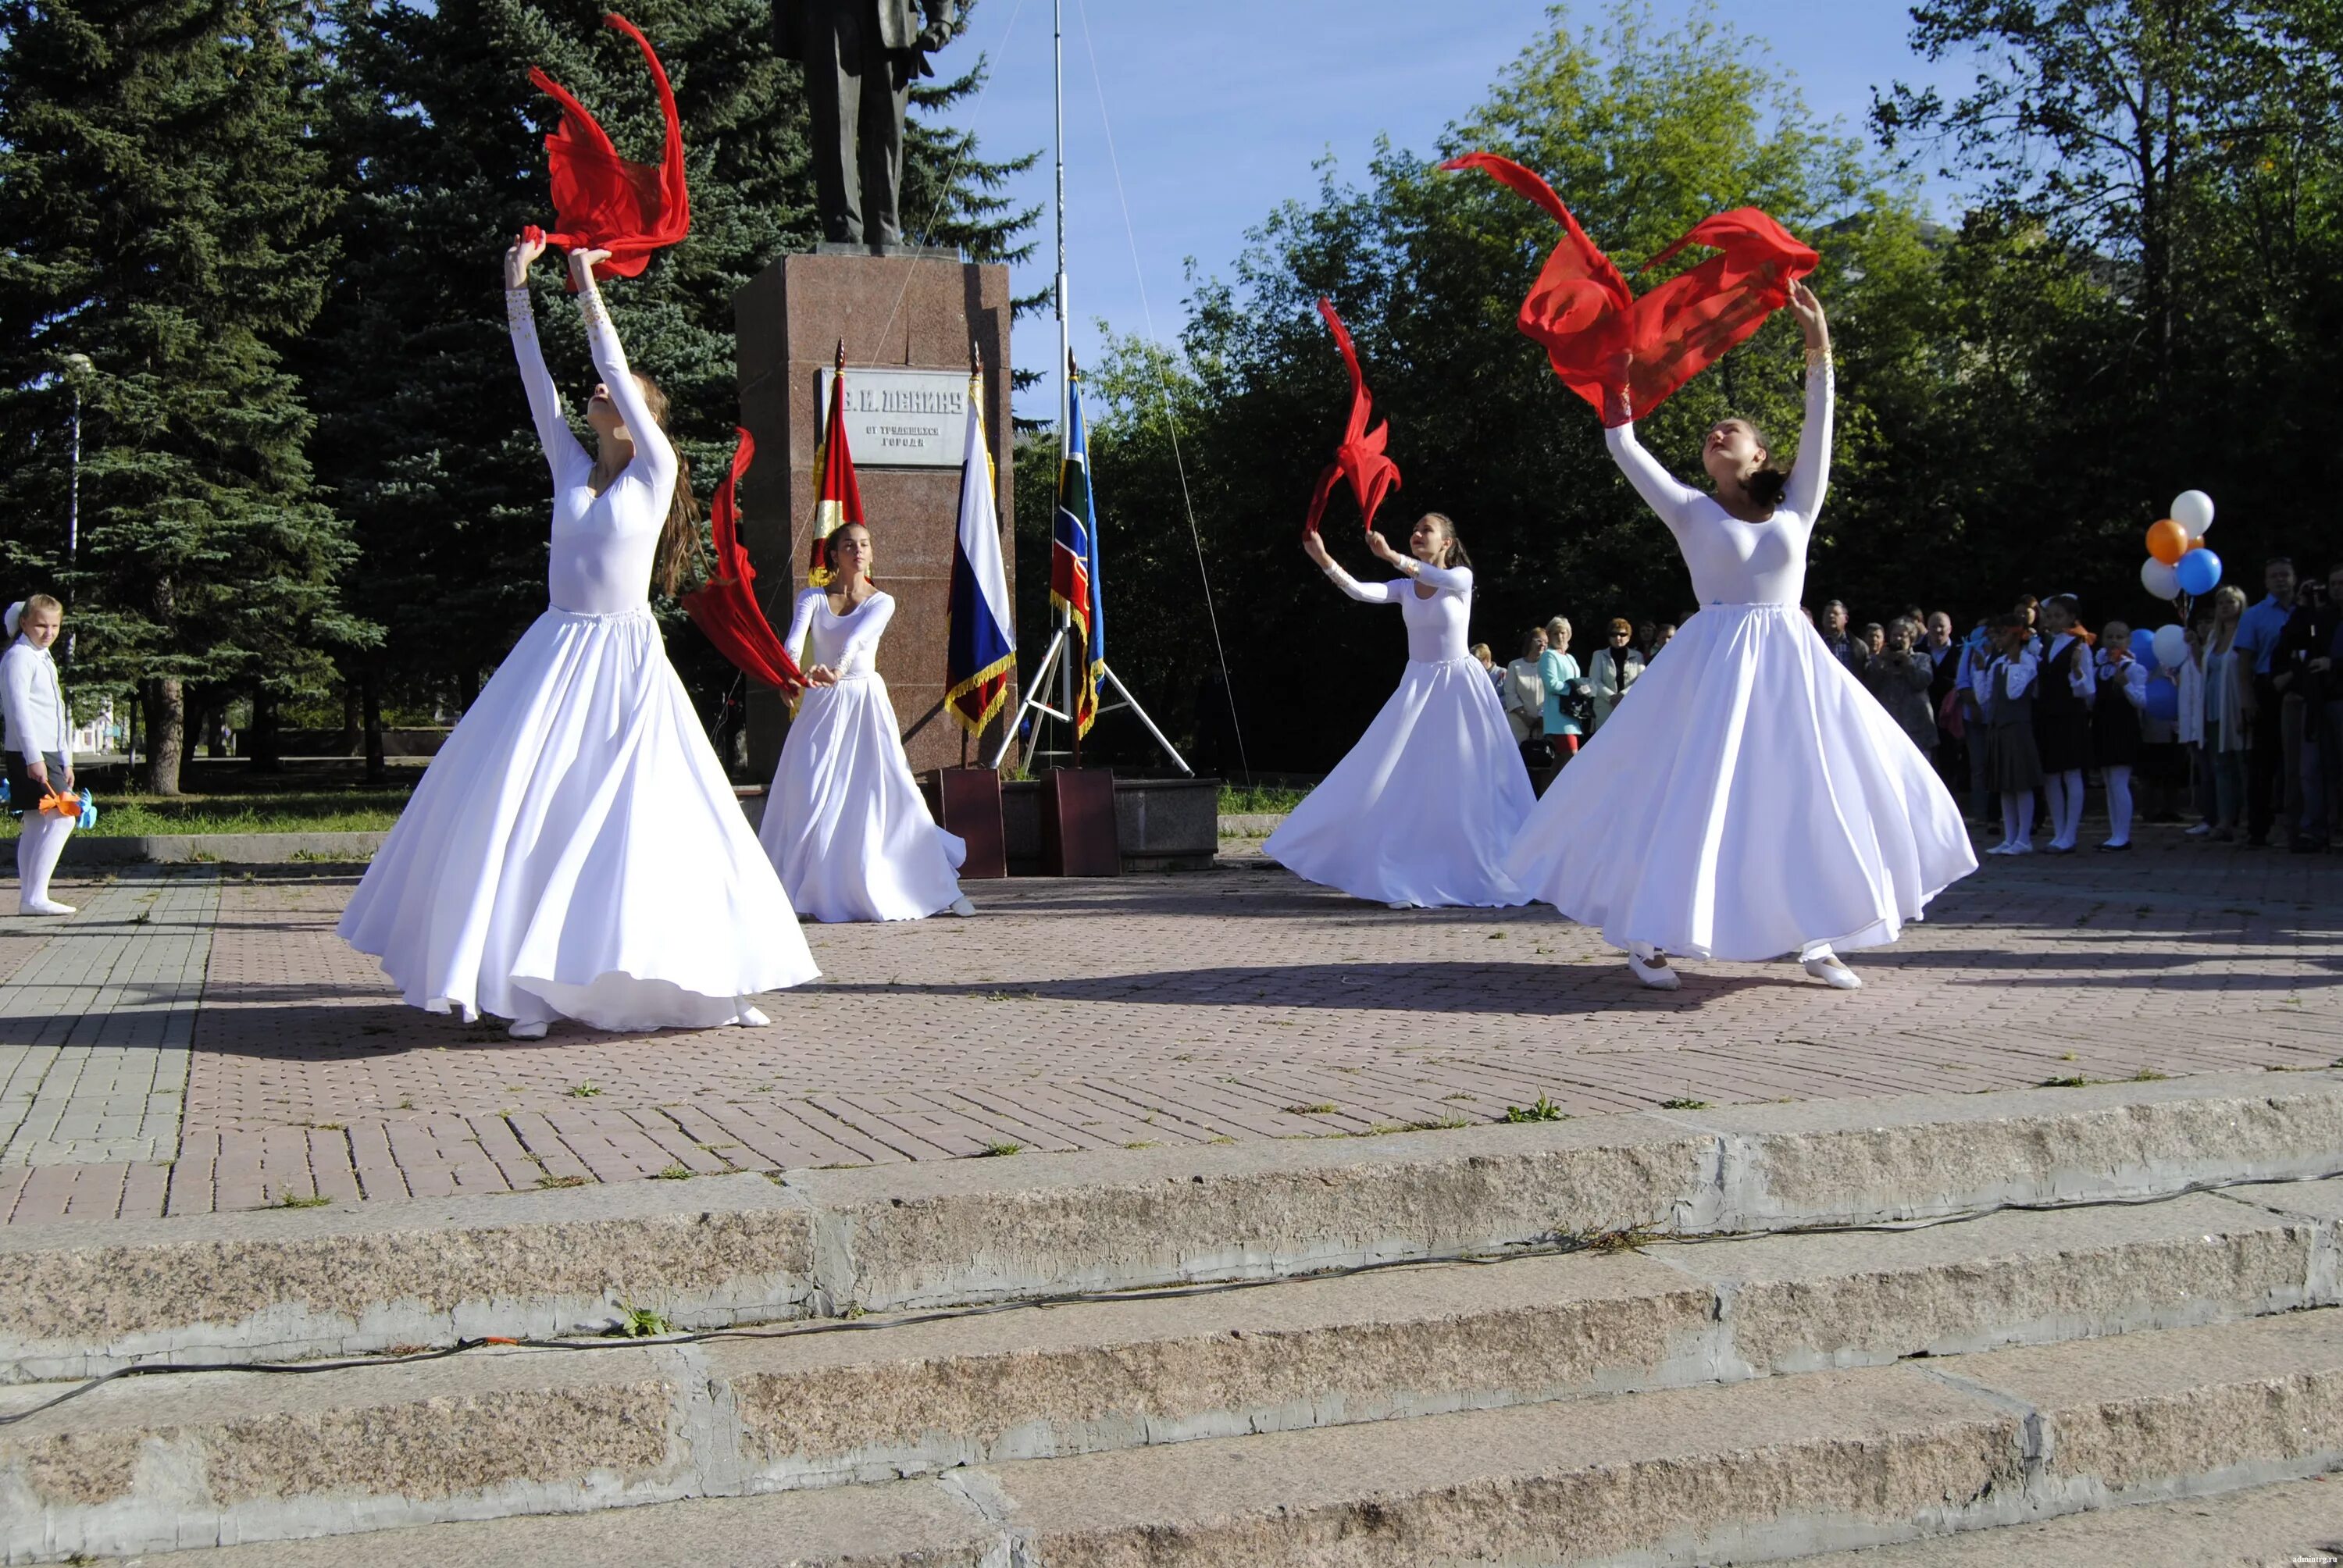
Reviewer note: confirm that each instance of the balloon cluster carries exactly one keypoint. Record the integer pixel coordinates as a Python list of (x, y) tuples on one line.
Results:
[(2178, 561)]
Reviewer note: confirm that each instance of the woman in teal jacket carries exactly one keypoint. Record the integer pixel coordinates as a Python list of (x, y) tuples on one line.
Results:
[(1562, 673)]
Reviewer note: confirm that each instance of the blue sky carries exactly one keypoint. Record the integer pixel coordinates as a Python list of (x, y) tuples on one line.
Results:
[(1210, 134)]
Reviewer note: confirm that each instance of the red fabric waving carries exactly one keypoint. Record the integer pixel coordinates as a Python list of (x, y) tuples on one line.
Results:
[(1604, 341), (725, 607), (1360, 458), (602, 202)]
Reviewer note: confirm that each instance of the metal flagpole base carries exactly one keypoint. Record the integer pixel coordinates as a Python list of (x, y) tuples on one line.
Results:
[(1033, 703), (1131, 702)]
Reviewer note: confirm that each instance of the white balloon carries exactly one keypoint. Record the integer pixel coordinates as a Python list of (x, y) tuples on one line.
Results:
[(2171, 646), (2159, 579), (2193, 510)]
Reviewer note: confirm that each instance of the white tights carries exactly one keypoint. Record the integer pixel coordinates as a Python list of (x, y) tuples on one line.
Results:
[(41, 839), (2119, 804), (2064, 791), (2017, 816)]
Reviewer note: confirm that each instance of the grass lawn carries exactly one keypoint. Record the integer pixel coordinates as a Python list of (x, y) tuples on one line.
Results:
[(1242, 800), (286, 808)]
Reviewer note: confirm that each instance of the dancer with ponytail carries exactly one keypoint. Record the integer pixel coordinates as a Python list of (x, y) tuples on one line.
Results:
[(1754, 800), (40, 749), (1420, 812), (845, 824), (575, 849)]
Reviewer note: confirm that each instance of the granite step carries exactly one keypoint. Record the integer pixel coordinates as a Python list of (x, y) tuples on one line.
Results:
[(179, 1458), (83, 1297), (1769, 1470)]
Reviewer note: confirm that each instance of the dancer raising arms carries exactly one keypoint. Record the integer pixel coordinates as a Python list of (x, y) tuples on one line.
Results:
[(845, 824), (1421, 810), (1754, 800), (574, 850)]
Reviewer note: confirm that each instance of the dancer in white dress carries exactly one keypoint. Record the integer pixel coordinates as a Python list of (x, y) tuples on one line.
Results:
[(1753, 799), (845, 824), (1421, 810), (574, 850)]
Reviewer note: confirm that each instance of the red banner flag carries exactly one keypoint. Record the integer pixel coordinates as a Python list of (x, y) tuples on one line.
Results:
[(840, 502), (1604, 341)]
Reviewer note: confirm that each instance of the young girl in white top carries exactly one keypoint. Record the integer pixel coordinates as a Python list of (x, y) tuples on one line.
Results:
[(40, 749)]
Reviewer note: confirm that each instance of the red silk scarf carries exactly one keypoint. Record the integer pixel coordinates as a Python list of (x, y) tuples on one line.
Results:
[(602, 202), (1360, 458), (1604, 341), (725, 607)]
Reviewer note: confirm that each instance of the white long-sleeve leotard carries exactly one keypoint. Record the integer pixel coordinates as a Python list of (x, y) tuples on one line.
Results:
[(602, 545), (1435, 625), (33, 704), (847, 643), (1733, 561)]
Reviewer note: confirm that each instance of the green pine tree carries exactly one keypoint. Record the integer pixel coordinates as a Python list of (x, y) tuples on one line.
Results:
[(161, 208)]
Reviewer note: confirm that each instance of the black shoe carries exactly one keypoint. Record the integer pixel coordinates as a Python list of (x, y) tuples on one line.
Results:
[(2114, 849)]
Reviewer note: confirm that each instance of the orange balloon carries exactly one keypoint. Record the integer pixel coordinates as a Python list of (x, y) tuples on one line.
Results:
[(2168, 541)]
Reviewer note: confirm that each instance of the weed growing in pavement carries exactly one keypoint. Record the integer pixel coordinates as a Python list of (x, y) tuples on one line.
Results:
[(295, 1201), (999, 1151), (585, 1089), (1143, 1143), (676, 1173), (1625, 1239), (1543, 1110), (1681, 1104), (561, 1181), (2149, 1075), (2077, 1082), (1321, 1108), (639, 1322), (1458, 1095)]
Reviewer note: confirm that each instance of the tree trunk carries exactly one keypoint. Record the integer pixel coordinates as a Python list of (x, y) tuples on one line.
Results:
[(350, 725), (267, 755), (468, 690), (166, 701), (370, 700), (207, 728)]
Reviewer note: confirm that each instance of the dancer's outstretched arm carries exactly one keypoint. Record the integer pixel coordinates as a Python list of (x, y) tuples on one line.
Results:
[(563, 455), (654, 458), (1660, 492), (1366, 593), (1454, 579), (1810, 475)]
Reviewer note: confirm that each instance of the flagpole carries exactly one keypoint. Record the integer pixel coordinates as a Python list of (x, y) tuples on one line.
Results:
[(1065, 349)]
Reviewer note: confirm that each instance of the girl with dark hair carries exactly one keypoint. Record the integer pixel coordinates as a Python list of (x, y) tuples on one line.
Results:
[(2063, 695), (575, 849), (1754, 800), (1420, 812), (845, 824)]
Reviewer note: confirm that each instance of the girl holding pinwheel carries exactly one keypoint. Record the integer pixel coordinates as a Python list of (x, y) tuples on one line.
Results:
[(40, 751), (1754, 800)]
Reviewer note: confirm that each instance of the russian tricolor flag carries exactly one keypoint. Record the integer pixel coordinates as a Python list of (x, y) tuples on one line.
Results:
[(980, 641)]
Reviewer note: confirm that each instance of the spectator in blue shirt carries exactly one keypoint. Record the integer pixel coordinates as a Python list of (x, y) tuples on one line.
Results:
[(2273, 769)]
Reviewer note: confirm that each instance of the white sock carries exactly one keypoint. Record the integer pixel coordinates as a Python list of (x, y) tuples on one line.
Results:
[(2070, 827), (41, 839), (2054, 800), (1816, 952), (2009, 833), (2025, 818), (2118, 805)]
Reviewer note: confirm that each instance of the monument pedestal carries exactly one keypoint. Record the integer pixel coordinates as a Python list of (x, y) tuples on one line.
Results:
[(917, 312)]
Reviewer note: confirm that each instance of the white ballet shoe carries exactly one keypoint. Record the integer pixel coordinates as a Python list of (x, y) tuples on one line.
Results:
[(1833, 972), (43, 907), (1656, 973), (1399, 904), (2004, 848), (961, 907), (752, 1018), (518, 1031)]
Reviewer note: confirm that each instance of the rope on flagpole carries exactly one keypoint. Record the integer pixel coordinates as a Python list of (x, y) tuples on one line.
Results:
[(1164, 384)]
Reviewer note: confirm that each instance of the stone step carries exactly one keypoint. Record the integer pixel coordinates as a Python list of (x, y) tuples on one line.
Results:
[(2295, 1524), (1765, 1471), (147, 1462), (82, 1297)]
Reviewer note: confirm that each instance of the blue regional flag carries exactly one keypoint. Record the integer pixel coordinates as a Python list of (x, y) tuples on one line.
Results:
[(979, 653), (1073, 558)]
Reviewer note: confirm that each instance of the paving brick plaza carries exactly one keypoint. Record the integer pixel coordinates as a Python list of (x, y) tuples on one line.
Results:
[(197, 1038)]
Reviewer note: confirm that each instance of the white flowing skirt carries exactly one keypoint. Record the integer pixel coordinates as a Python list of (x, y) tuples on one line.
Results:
[(1422, 809), (845, 824), (575, 851), (1747, 798)]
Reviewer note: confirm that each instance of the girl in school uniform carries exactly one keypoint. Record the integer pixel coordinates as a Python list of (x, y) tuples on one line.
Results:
[(2005, 693), (2122, 682), (2063, 686)]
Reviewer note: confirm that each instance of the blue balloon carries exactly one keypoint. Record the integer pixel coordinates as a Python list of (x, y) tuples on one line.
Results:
[(2200, 572), (2143, 645), (2163, 698)]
